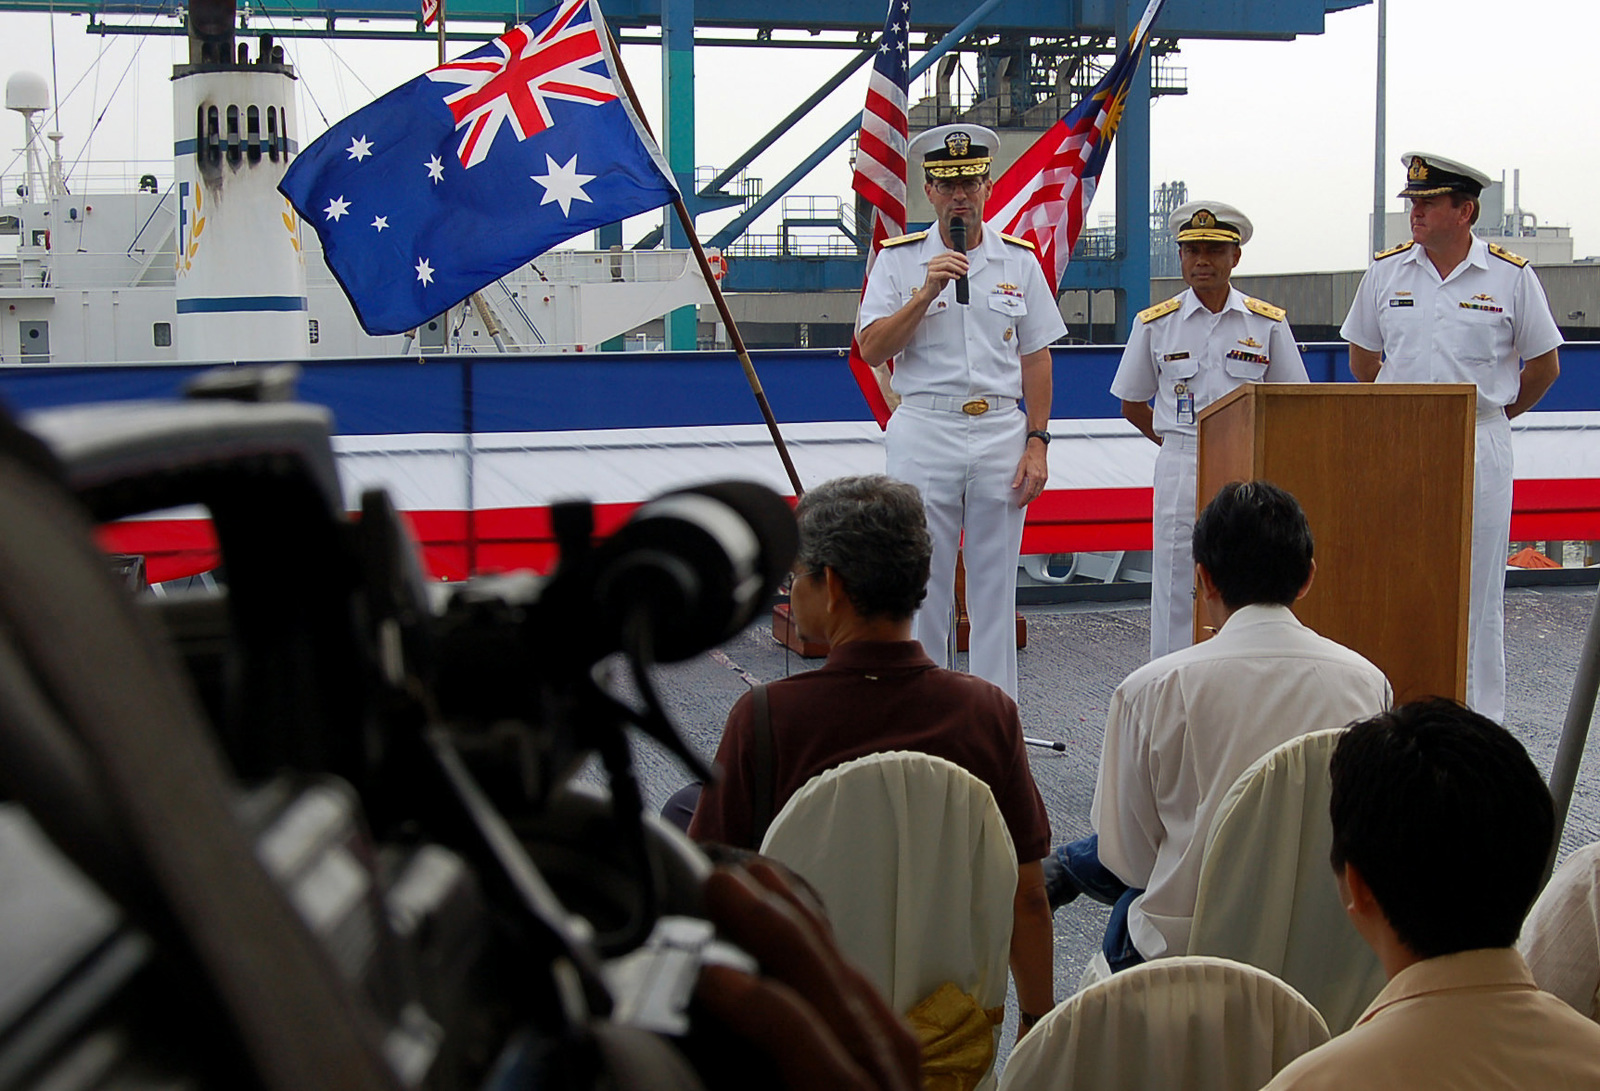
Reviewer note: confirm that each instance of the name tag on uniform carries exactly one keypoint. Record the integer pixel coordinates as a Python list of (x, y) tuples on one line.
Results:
[(1402, 303), (1171, 356)]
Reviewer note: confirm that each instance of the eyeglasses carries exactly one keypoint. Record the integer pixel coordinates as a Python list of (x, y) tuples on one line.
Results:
[(947, 186), (787, 586)]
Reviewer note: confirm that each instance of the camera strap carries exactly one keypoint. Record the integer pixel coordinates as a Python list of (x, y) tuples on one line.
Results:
[(762, 788)]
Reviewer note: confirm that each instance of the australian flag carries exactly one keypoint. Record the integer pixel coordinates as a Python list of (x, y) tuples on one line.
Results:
[(476, 168)]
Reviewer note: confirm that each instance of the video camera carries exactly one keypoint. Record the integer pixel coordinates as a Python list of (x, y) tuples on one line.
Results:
[(319, 827)]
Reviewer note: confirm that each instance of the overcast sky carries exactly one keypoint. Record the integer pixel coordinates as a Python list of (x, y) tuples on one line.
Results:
[(1283, 130)]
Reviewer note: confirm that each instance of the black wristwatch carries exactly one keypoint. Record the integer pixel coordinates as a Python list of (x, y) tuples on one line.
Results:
[(1041, 435)]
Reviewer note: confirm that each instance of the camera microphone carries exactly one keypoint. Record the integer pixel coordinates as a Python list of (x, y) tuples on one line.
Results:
[(958, 243)]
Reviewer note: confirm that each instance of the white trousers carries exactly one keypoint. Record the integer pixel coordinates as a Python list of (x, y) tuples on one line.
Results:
[(963, 467), (1172, 546), (1491, 530)]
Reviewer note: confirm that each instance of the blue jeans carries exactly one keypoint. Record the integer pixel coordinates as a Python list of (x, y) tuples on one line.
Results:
[(1081, 859)]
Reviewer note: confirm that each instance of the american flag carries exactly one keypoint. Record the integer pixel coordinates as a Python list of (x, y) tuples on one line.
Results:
[(1044, 196), (476, 168), (880, 175)]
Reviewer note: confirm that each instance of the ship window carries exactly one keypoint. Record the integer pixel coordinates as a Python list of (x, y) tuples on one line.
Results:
[(233, 134), (212, 137), (163, 335), (252, 132), (10, 225), (272, 131), (313, 331)]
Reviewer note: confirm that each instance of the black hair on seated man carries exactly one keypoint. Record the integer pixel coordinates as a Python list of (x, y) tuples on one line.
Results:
[(1255, 542), (1445, 817)]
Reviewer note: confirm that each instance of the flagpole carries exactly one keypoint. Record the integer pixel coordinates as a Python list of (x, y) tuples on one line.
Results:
[(469, 422), (716, 292)]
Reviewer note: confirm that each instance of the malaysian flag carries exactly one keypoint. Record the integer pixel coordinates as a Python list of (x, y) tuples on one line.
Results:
[(476, 168), (1044, 196), (880, 175)]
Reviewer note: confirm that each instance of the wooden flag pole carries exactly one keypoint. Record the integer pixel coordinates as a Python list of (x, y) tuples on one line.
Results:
[(716, 292)]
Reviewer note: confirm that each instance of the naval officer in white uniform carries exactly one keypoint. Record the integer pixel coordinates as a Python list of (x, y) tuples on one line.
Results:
[(974, 382), (1447, 307), (1182, 355)]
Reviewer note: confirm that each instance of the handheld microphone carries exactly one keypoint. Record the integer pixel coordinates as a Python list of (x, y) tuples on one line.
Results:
[(958, 243)]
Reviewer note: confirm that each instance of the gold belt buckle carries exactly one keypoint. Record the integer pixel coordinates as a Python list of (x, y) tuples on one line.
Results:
[(977, 407)]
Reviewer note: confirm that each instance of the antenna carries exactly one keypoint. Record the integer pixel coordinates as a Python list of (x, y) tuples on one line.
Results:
[(28, 94)]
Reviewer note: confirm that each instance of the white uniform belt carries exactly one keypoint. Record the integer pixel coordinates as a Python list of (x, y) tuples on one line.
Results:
[(974, 405), (1490, 412)]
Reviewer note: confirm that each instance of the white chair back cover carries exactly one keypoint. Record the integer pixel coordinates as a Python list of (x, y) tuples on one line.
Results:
[(1561, 937), (1185, 1023), (916, 867), (1268, 896)]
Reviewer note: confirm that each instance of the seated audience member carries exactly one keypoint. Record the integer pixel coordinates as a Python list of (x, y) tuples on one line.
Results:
[(1441, 826), (1561, 937), (861, 572), (1182, 728)]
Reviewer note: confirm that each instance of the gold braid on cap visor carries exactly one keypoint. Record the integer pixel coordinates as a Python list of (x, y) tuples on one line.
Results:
[(967, 168), (1208, 234)]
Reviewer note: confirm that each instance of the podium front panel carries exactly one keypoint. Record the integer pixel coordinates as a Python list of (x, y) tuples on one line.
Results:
[(1384, 473)]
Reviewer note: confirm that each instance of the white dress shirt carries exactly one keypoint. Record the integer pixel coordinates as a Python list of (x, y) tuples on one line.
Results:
[(1206, 355), (1180, 731), (1474, 326), (973, 349)]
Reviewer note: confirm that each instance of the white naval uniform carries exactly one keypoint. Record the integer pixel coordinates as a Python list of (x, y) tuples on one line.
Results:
[(1474, 326), (1184, 351), (1179, 732), (963, 465)]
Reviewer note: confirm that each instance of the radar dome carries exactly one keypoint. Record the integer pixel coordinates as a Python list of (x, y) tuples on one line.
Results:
[(27, 92)]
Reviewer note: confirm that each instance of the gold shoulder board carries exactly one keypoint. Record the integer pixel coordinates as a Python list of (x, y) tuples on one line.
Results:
[(915, 236), (1505, 255), (1265, 309), (1018, 242), (1393, 250), (1150, 314)]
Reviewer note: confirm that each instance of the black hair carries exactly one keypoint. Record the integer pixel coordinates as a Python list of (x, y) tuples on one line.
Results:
[(1444, 815), (1255, 542)]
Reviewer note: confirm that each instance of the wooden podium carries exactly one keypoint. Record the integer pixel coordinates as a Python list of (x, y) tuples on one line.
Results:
[(1384, 472)]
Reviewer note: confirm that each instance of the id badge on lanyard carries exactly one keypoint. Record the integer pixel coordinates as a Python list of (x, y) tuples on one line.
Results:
[(1185, 403)]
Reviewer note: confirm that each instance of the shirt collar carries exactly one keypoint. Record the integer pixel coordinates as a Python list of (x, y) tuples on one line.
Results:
[(881, 654), (1191, 302), (1477, 255), (977, 256), (1488, 967), (1260, 613)]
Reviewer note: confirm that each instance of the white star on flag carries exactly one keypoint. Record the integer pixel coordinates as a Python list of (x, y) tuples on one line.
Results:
[(424, 271), (336, 208), (381, 222), (435, 169), (563, 184), (360, 148)]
